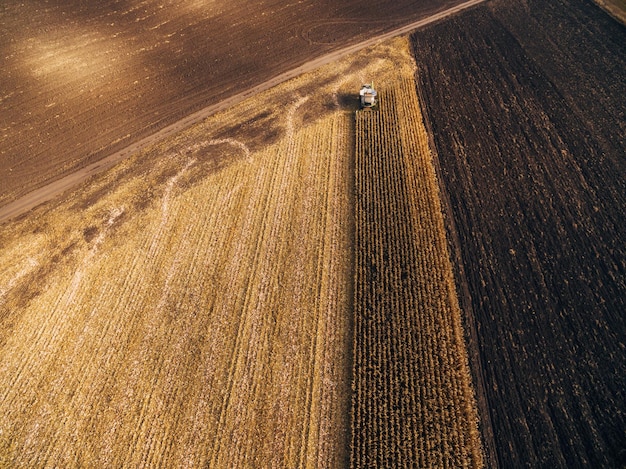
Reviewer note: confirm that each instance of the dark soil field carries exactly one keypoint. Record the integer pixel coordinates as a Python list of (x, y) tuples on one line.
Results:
[(80, 80), (526, 106)]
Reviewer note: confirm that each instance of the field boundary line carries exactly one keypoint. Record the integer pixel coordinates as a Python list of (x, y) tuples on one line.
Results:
[(463, 294), (51, 190)]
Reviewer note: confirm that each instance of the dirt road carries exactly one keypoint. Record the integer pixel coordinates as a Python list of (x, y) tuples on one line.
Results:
[(48, 192)]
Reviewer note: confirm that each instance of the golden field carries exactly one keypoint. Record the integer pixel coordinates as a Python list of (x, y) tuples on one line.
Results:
[(193, 306)]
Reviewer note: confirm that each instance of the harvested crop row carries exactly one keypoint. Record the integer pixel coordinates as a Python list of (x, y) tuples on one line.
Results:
[(413, 403), (206, 330)]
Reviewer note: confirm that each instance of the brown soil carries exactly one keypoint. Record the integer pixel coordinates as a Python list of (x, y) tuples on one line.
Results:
[(526, 107), (81, 81)]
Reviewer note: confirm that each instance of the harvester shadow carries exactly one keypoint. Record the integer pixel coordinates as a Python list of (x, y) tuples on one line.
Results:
[(348, 101)]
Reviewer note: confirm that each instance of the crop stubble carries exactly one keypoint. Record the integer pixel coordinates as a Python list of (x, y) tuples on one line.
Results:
[(413, 404), (210, 335), (526, 105)]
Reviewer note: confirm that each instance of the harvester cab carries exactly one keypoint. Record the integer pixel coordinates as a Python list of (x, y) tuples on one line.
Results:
[(368, 96)]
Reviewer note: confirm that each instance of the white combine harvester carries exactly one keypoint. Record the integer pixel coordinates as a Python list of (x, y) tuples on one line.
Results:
[(368, 96)]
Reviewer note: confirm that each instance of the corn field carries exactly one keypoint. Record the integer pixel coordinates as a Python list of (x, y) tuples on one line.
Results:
[(195, 306), (413, 402)]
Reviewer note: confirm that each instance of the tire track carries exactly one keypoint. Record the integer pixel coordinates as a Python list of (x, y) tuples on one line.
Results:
[(31, 264)]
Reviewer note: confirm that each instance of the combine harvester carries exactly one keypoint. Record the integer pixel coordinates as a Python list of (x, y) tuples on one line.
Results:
[(368, 96)]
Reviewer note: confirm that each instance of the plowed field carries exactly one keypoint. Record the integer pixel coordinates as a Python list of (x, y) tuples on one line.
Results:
[(526, 105), (80, 80), (413, 404)]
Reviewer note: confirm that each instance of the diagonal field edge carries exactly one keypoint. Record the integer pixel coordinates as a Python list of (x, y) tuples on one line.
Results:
[(51, 190)]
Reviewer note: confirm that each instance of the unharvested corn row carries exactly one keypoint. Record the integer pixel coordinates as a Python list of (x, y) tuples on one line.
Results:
[(413, 402)]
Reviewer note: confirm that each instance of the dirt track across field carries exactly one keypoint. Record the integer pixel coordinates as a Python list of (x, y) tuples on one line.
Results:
[(49, 191)]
